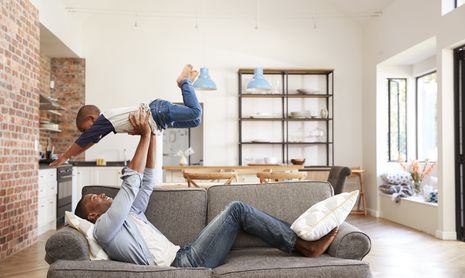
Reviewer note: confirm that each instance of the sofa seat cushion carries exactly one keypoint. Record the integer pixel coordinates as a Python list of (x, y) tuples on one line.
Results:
[(109, 269), (270, 262)]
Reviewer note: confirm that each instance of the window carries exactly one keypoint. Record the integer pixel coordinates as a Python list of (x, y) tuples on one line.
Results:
[(397, 122), (427, 117)]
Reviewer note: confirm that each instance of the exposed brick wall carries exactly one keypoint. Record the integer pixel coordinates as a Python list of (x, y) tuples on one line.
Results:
[(19, 130), (69, 77)]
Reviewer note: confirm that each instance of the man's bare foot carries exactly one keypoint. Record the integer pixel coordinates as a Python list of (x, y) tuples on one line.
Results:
[(185, 74), (317, 247)]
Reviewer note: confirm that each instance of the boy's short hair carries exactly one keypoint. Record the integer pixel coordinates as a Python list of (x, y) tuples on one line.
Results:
[(86, 111)]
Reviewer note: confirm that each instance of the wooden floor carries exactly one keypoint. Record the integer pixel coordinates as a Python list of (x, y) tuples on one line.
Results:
[(397, 251)]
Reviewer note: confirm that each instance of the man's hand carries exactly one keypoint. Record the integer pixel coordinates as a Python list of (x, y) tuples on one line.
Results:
[(62, 159), (140, 122)]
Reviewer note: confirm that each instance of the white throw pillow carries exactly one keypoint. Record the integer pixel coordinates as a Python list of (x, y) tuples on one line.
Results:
[(87, 229), (324, 216)]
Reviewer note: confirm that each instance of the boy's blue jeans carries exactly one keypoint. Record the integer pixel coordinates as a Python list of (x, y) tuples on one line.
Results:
[(213, 243), (169, 115)]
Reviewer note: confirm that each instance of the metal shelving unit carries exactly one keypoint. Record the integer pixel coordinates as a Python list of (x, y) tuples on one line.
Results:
[(285, 119)]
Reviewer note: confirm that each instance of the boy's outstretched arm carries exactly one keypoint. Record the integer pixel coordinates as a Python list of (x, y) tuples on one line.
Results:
[(99, 129), (72, 151)]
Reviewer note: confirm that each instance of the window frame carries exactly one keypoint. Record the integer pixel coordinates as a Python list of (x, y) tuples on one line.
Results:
[(390, 159), (416, 111)]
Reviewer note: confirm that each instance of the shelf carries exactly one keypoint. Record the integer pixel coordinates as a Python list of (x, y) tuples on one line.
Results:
[(286, 143), (309, 96), (54, 112), (318, 91), (48, 103), (288, 71), (308, 143), (50, 129), (287, 119), (261, 119), (262, 95), (309, 119), (261, 143), (285, 95)]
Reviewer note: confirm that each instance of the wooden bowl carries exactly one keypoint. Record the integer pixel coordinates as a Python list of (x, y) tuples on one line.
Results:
[(298, 161)]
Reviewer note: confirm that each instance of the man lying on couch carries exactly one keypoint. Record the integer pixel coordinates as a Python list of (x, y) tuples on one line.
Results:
[(124, 232)]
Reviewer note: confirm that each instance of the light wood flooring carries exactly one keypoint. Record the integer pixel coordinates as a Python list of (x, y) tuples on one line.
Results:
[(397, 251)]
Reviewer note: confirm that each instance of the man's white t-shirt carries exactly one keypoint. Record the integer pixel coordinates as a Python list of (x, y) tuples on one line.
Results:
[(163, 250)]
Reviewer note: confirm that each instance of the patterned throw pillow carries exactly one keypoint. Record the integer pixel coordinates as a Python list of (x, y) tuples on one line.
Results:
[(397, 177), (87, 229), (324, 216)]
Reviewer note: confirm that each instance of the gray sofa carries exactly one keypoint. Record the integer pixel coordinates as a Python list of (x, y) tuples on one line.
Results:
[(181, 214)]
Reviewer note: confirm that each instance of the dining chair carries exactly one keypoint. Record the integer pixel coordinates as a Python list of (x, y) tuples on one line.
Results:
[(270, 176), (209, 175)]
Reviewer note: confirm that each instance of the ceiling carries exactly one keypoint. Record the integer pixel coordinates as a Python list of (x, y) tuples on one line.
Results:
[(360, 10), (355, 7)]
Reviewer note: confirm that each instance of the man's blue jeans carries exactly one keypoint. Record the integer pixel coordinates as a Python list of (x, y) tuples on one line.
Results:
[(169, 115), (213, 243)]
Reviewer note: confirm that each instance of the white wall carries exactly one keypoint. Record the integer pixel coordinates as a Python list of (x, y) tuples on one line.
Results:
[(127, 64), (404, 24)]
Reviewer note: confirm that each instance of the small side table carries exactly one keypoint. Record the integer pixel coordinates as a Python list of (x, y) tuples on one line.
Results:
[(361, 202)]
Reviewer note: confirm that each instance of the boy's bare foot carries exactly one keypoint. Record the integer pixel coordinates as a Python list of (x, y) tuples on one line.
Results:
[(194, 75), (185, 74), (317, 247)]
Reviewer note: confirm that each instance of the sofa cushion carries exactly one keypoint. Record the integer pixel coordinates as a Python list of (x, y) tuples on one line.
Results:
[(109, 269), (178, 213), (324, 216), (286, 201), (270, 262)]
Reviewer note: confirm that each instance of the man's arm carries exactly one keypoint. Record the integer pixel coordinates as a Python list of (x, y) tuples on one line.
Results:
[(143, 197), (109, 223), (140, 157)]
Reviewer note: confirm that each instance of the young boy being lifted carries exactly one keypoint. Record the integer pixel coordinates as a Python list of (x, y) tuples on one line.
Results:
[(162, 114)]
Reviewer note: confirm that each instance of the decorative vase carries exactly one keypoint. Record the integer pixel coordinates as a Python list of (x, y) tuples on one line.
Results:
[(324, 113), (427, 189), (417, 186), (183, 160)]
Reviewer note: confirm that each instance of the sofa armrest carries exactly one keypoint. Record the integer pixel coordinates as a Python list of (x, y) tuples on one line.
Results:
[(66, 244), (110, 269), (350, 243)]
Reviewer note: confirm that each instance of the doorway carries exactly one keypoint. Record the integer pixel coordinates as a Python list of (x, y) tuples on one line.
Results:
[(459, 115)]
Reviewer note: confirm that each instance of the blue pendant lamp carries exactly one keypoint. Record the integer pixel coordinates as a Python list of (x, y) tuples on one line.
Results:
[(204, 82), (258, 82)]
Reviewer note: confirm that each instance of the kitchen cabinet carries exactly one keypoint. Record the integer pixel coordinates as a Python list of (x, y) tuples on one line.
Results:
[(47, 198), (96, 175), (293, 120)]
